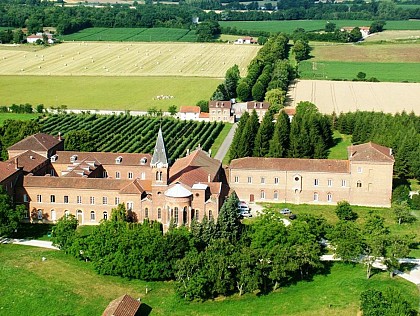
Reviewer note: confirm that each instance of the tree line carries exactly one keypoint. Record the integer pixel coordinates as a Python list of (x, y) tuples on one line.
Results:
[(309, 135)]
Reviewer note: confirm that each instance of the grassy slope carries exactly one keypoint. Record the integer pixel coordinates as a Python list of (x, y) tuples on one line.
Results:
[(15, 116), (109, 93), (339, 151), (62, 285)]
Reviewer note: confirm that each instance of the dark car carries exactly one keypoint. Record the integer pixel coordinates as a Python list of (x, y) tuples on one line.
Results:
[(292, 216)]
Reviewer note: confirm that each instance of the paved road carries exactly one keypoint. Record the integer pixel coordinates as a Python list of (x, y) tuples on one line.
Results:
[(224, 148)]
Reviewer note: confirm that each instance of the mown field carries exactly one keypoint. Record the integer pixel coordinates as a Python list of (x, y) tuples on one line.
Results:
[(112, 130), (132, 35), (313, 25), (62, 285)]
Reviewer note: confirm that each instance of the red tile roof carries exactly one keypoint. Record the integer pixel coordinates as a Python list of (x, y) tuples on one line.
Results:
[(220, 104), (28, 160), (257, 105), (194, 168), (103, 158), (291, 164), (122, 306), (204, 115), (137, 186), (7, 170), (370, 152), (289, 111), (189, 109), (36, 142)]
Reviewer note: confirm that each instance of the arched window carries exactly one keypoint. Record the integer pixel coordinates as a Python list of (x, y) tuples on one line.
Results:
[(92, 215), (159, 213), (276, 195), (157, 175), (66, 213), (210, 214), (146, 213), (316, 197), (329, 197), (39, 214), (105, 215), (176, 218), (53, 215), (262, 194), (359, 184)]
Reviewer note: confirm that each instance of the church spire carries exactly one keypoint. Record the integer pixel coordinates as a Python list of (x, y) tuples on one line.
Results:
[(159, 154)]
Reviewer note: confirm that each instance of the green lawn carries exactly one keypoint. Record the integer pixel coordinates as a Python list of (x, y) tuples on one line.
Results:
[(16, 116), (62, 285), (108, 93), (313, 25), (387, 72), (339, 151), (219, 140)]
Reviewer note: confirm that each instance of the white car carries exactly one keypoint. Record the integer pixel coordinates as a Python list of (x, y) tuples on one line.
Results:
[(243, 207), (245, 214)]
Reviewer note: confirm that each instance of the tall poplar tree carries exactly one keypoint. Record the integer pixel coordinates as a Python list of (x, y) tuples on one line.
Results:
[(264, 135), (236, 141), (246, 145), (279, 144)]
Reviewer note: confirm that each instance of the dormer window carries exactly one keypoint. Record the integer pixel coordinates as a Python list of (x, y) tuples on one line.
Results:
[(143, 161), (118, 159), (54, 158), (73, 158)]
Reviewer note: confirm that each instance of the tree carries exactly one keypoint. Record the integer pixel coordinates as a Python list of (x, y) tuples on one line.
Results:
[(10, 216), (279, 144), (64, 232), (236, 141), (301, 50), (40, 108), (231, 81), (245, 259), (18, 36), (388, 303), (402, 213), (204, 105), (355, 35), (344, 211), (361, 76), (119, 213), (258, 91), (330, 27), (206, 31), (172, 110), (79, 140), (246, 145), (228, 223), (264, 135), (243, 91), (276, 98), (347, 240), (377, 26)]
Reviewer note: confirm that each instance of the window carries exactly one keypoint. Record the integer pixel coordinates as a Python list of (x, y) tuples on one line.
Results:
[(104, 174), (117, 200), (329, 182), (359, 169), (210, 214), (92, 215), (25, 198), (130, 175), (146, 213), (66, 199), (79, 199), (92, 200), (343, 183), (159, 215), (236, 180), (52, 198), (117, 175), (66, 213), (158, 175), (329, 197), (359, 184), (104, 200), (39, 214), (52, 172), (276, 195), (316, 182), (262, 194), (316, 197), (276, 180), (143, 175), (39, 198), (262, 180), (105, 215), (249, 179), (197, 214), (129, 206), (176, 215)]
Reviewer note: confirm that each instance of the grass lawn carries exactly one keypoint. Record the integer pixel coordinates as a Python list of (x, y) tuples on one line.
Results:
[(219, 140), (106, 93), (62, 285), (339, 151), (16, 116)]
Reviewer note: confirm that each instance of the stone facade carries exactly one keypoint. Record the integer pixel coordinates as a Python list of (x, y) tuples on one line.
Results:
[(221, 111)]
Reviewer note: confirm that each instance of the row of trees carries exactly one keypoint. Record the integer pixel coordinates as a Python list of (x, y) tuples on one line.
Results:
[(309, 135), (22, 108), (10, 215), (401, 132)]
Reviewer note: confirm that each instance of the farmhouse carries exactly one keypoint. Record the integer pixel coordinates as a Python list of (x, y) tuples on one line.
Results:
[(365, 178), (260, 107), (221, 111), (246, 40), (189, 113), (365, 30), (31, 39)]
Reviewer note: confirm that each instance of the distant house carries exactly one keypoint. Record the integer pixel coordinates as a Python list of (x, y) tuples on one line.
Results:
[(189, 112), (259, 107), (221, 111), (31, 39), (123, 306), (246, 40), (291, 112), (363, 29)]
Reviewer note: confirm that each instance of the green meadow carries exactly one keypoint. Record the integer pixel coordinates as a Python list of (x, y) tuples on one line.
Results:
[(61, 285), (16, 116), (108, 93)]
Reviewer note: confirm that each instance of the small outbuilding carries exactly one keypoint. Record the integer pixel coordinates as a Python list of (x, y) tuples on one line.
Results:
[(123, 306)]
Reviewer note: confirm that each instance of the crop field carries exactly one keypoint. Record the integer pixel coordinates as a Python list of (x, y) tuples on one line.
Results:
[(112, 131), (406, 36), (129, 59), (313, 25), (350, 96), (132, 35)]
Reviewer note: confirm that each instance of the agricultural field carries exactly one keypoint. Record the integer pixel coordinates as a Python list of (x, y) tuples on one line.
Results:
[(132, 35), (129, 59), (406, 36), (16, 116), (313, 25), (350, 96), (112, 130), (71, 287)]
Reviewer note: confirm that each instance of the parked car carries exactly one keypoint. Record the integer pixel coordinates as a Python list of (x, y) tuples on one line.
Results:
[(292, 216), (285, 211), (242, 206), (245, 214)]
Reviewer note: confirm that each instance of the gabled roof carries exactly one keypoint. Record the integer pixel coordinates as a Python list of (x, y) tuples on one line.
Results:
[(159, 154), (189, 109), (103, 158), (204, 115), (137, 187), (36, 142), (28, 160), (220, 104), (7, 169), (291, 164), (257, 105), (370, 152), (122, 306), (194, 168)]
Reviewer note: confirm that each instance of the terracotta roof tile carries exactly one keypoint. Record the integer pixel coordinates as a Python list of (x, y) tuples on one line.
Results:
[(291, 164), (370, 152), (257, 105), (28, 160), (6, 170), (220, 104), (122, 306), (189, 109), (137, 186), (289, 111), (204, 115), (36, 142), (103, 158)]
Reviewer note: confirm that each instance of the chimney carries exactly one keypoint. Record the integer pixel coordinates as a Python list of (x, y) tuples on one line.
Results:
[(59, 136), (188, 151), (16, 163), (209, 178), (390, 151)]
